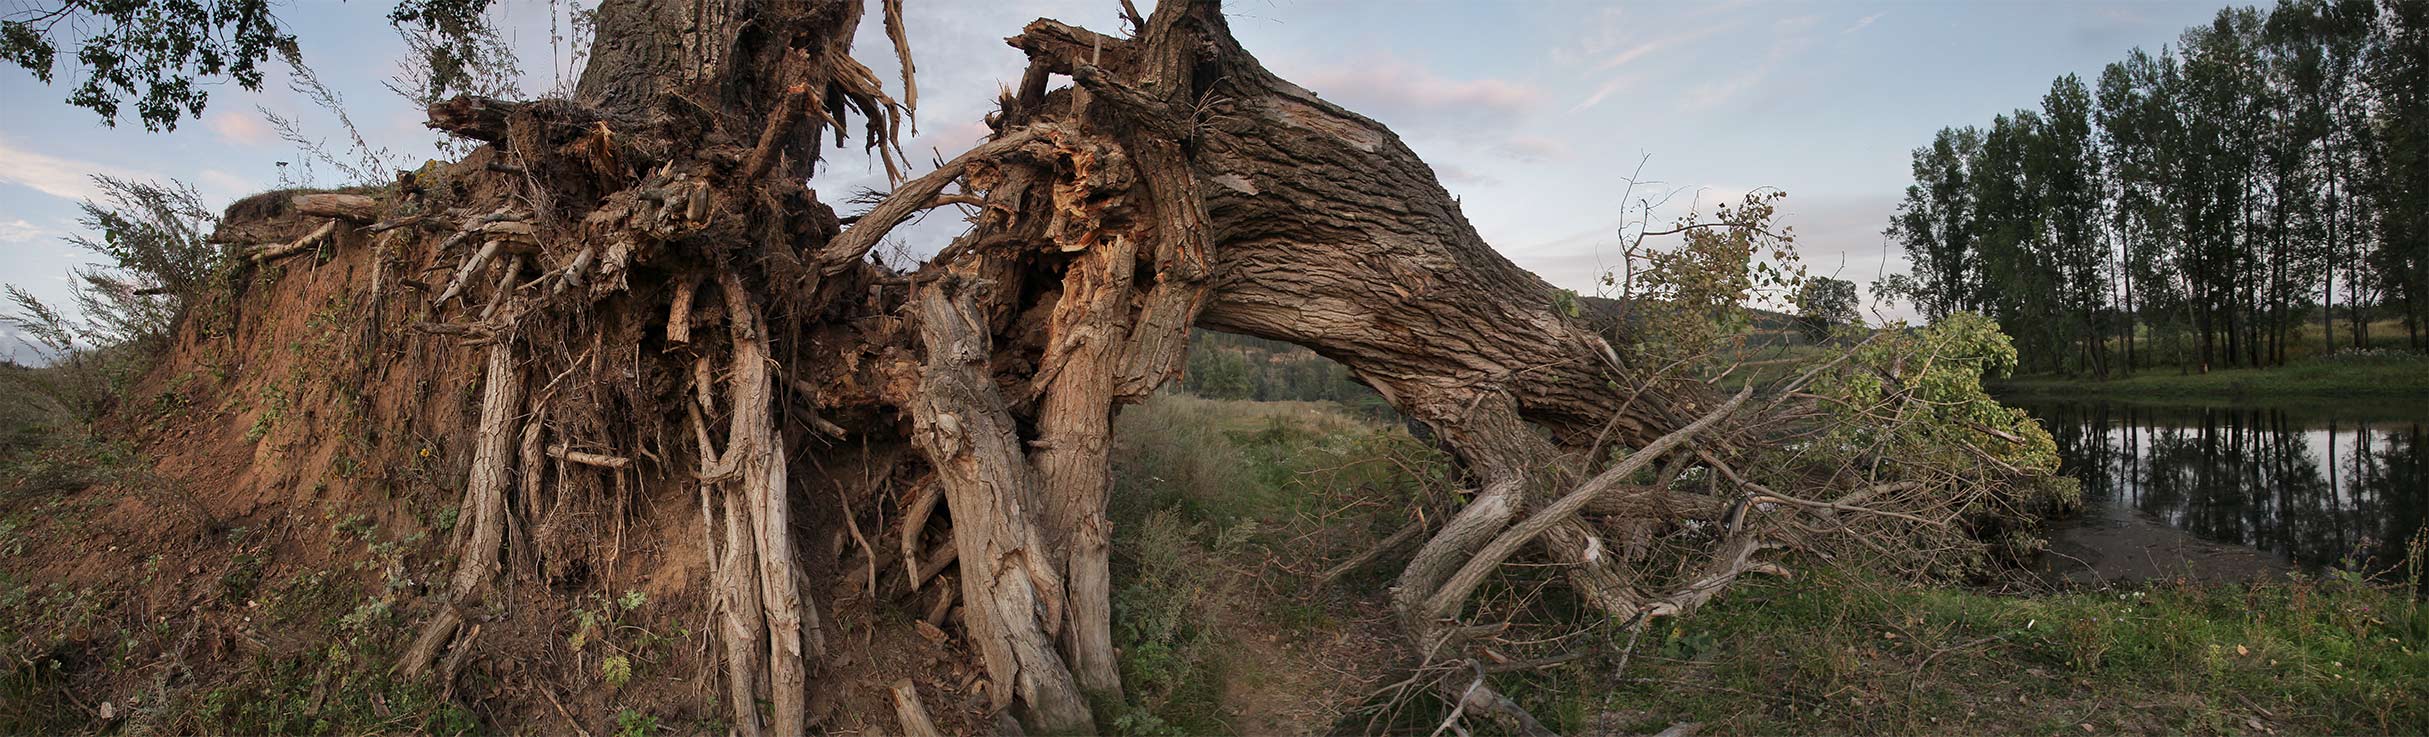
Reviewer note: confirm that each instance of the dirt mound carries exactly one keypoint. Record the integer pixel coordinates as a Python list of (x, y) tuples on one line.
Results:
[(288, 482)]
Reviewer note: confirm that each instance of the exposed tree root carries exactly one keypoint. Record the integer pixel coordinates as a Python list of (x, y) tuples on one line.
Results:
[(484, 503), (1012, 595)]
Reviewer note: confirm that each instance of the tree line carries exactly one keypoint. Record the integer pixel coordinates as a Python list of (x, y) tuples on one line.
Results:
[(2196, 206)]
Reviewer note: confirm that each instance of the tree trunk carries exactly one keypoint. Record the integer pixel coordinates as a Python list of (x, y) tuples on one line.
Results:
[(1175, 183)]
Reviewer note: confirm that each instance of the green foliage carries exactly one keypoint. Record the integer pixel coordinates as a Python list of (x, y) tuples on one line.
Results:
[(1227, 366), (2381, 373), (457, 51), (1171, 669), (631, 723), (1690, 303), (156, 266), (2200, 205), (617, 669), (1847, 651), (619, 643), (1941, 366), (162, 54), (1202, 484), (1825, 304)]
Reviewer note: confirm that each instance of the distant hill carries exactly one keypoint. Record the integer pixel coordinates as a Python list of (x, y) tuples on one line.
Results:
[(1229, 366)]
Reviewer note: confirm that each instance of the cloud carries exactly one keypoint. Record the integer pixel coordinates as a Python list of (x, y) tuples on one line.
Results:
[(1618, 65), (20, 231), (1790, 38), (241, 128), (1390, 88), (1642, 50), (1712, 96), (1532, 148), (1454, 174), (55, 176), (225, 185), (1863, 24)]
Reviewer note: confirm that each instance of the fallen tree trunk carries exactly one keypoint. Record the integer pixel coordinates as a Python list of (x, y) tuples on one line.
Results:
[(1175, 183)]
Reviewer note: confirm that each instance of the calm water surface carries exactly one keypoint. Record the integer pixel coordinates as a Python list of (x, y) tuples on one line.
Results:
[(2316, 484)]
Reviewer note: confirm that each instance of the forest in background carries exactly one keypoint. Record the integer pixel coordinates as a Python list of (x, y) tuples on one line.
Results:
[(2196, 207)]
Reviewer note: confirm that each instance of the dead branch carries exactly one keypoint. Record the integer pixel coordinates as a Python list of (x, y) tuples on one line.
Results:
[(600, 460), (908, 710), (1355, 562), (262, 254), (352, 208), (1455, 591), (909, 198)]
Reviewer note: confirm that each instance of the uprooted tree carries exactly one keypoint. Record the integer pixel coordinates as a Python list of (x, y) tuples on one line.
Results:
[(665, 316)]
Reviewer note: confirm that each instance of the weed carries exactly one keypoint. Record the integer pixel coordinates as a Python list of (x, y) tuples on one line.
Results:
[(273, 409), (1842, 650), (631, 723)]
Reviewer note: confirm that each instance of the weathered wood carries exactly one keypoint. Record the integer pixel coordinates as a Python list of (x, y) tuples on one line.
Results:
[(1176, 184), (738, 616), (908, 199), (1322, 228), (756, 453), (960, 423), (484, 502), (914, 522), (1454, 592), (912, 714), (600, 460), (1087, 332), (290, 248), (352, 208)]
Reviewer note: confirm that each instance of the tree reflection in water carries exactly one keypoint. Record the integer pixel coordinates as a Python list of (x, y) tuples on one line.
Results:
[(2320, 486)]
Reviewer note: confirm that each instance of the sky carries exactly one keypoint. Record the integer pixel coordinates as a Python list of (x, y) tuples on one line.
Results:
[(1538, 114)]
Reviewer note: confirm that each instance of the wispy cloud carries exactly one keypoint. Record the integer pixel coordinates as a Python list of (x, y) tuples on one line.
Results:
[(1532, 147), (241, 127), (20, 231), (1641, 50), (1620, 66), (1790, 37), (1395, 89), (52, 175), (1866, 22)]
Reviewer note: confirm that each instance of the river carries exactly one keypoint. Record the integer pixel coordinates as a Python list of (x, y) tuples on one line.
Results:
[(2229, 491)]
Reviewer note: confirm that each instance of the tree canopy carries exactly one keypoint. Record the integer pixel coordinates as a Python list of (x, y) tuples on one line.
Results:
[(2195, 205)]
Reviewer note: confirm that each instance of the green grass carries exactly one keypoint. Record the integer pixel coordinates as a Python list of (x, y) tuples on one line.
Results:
[(1206, 491), (1847, 652), (1835, 650), (2347, 375)]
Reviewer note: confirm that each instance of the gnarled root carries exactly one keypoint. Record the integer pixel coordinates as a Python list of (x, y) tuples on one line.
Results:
[(1012, 595), (484, 504), (756, 577)]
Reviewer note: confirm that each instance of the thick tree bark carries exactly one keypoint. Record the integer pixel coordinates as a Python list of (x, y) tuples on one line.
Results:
[(483, 517), (1087, 332), (1011, 593), (755, 457)]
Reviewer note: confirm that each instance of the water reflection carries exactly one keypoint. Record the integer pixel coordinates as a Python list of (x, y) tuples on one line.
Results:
[(2319, 486)]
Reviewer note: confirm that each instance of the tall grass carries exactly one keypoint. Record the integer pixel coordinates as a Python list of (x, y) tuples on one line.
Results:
[(1207, 495), (1842, 651)]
